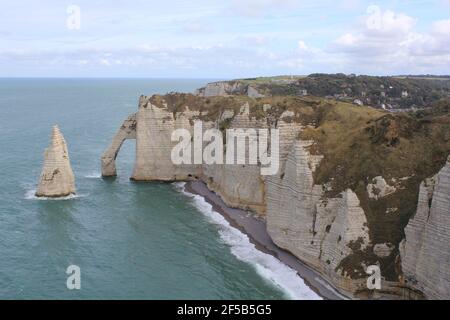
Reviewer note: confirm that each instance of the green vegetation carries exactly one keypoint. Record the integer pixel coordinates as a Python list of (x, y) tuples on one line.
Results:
[(360, 143), (388, 92)]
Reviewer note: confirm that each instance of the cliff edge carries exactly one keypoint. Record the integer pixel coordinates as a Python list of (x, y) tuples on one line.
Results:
[(348, 181)]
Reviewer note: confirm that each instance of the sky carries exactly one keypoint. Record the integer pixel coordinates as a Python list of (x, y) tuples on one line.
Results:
[(222, 39)]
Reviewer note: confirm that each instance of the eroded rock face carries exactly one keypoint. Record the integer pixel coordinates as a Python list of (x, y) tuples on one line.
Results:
[(231, 181), (57, 179), (329, 233), (155, 126), (379, 188), (126, 131), (252, 92), (383, 249), (225, 88), (320, 231), (219, 89), (425, 252)]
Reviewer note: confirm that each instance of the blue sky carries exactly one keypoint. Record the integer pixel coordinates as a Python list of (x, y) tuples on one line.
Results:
[(223, 39)]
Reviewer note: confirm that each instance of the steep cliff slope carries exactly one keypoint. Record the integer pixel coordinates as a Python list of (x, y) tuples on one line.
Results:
[(347, 184), (425, 250)]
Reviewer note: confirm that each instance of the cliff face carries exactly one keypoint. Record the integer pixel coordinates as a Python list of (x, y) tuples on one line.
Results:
[(319, 230), (231, 181), (425, 251), (347, 183), (57, 179), (155, 125)]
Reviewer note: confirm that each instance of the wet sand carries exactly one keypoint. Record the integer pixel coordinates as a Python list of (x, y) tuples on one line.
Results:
[(255, 229)]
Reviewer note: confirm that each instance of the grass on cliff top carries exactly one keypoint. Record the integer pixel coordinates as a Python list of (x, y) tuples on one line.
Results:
[(303, 107), (360, 143)]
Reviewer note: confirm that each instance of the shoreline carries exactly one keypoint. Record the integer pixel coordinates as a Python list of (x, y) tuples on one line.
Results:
[(256, 231)]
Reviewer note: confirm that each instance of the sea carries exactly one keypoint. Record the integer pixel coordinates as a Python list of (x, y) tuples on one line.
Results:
[(128, 240)]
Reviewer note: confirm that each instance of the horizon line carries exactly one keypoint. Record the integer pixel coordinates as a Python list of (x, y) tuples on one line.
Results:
[(221, 78)]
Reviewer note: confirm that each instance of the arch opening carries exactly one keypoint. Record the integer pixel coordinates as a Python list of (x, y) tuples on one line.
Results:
[(126, 131)]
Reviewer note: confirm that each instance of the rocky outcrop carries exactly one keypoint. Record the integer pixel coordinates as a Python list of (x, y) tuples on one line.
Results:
[(126, 131), (57, 179), (379, 188), (155, 125), (383, 249), (231, 181), (254, 93), (425, 252), (219, 89), (225, 88)]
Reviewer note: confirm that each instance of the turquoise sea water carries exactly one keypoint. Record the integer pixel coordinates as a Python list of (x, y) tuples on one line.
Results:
[(131, 240)]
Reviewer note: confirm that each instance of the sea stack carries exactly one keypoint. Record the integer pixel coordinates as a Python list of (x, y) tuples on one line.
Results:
[(57, 179)]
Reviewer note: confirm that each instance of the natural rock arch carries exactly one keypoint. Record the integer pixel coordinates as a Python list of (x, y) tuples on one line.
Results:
[(126, 131)]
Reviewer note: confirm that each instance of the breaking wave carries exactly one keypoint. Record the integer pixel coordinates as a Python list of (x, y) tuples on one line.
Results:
[(266, 265), (93, 175), (30, 195)]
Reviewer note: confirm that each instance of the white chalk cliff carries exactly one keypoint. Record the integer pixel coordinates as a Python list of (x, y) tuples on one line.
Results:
[(224, 88), (126, 131), (329, 234), (318, 230), (57, 178), (425, 252)]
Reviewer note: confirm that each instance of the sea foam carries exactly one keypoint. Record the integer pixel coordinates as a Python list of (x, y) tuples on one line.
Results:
[(31, 195), (266, 265), (93, 175)]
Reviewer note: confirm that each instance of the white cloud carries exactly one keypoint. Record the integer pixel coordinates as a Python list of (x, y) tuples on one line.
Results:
[(208, 61), (386, 40), (302, 47), (387, 23), (441, 27), (306, 51), (347, 40), (192, 40)]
